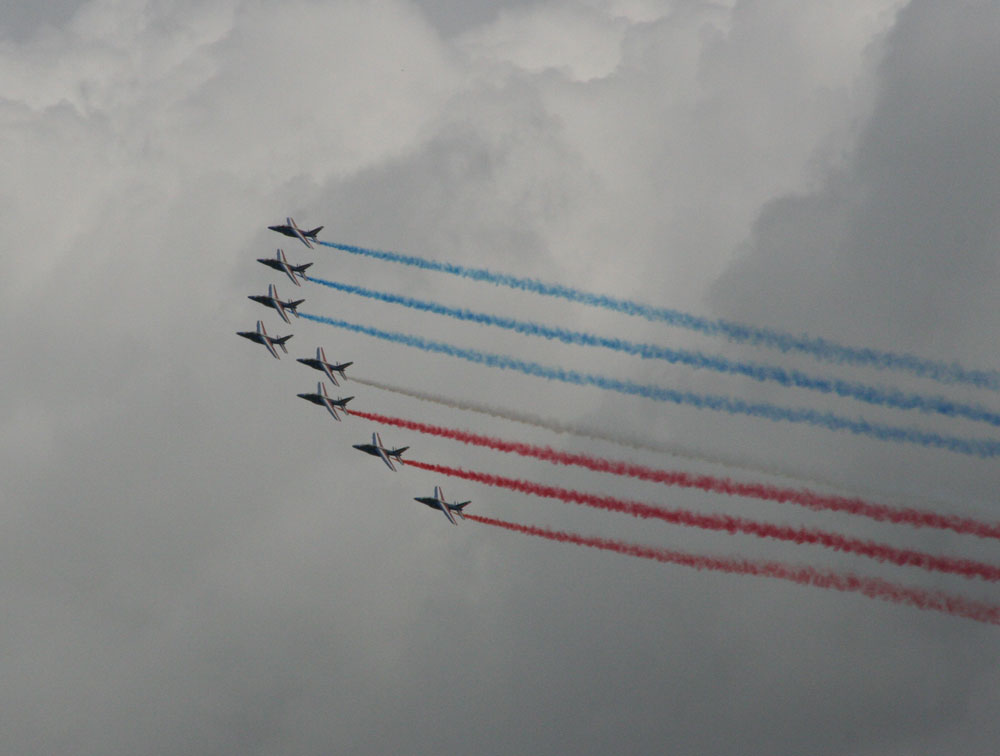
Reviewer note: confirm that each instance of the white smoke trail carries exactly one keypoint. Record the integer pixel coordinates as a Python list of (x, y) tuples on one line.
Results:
[(639, 444)]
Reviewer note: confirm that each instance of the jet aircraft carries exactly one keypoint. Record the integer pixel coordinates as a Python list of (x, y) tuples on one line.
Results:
[(279, 262), (261, 337), (437, 502), (376, 449), (323, 399), (290, 229), (328, 368), (271, 300)]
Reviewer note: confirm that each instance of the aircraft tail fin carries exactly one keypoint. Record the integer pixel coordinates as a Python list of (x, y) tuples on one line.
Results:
[(458, 508), (313, 232), (281, 342), (293, 304), (398, 453)]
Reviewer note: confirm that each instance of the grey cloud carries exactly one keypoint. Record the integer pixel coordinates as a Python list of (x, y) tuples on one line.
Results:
[(905, 236), (195, 560), (23, 19), (457, 16)]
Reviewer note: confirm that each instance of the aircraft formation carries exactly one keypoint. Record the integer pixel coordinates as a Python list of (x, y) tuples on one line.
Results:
[(891, 401), (321, 397)]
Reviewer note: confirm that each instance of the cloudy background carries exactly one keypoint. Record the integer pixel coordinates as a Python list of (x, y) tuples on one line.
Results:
[(194, 561)]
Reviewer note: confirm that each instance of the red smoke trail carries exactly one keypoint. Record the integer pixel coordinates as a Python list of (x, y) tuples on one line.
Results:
[(871, 587), (803, 497), (676, 450), (879, 551)]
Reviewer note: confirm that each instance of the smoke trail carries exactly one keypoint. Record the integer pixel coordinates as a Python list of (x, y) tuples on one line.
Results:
[(594, 434), (819, 348), (708, 483), (880, 552), (875, 588), (893, 398), (983, 448), (948, 522), (628, 442)]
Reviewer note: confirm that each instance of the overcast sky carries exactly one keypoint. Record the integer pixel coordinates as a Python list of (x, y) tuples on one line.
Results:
[(195, 561)]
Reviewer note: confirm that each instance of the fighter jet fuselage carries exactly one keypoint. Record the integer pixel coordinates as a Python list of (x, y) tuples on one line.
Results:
[(377, 449), (438, 502), (261, 337), (271, 300), (280, 262), (328, 368), (290, 228), (323, 399)]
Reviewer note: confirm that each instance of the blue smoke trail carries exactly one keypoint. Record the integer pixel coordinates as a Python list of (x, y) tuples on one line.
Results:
[(819, 348), (893, 398), (971, 446)]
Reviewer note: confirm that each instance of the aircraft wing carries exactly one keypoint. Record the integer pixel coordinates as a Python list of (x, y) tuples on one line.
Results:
[(266, 340), (380, 450), (329, 373), (385, 458), (285, 266), (290, 273), (447, 513), (281, 310), (298, 233)]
